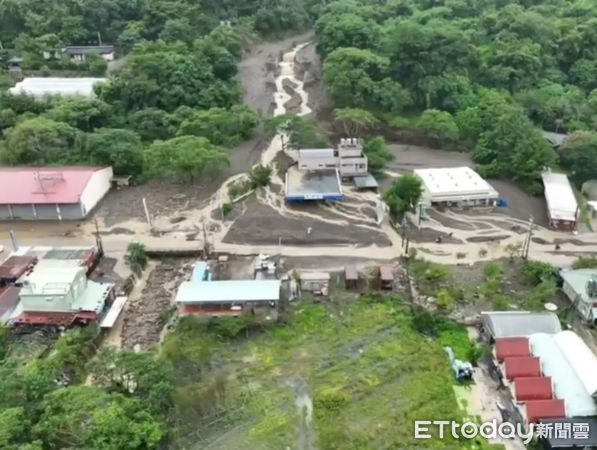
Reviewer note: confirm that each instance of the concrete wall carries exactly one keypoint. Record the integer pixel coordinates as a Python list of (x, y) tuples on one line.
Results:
[(97, 187), (353, 166)]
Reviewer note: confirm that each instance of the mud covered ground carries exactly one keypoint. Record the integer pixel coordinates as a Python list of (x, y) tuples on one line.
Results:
[(262, 225)]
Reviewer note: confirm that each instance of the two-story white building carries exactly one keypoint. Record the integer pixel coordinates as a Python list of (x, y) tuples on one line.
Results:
[(348, 158)]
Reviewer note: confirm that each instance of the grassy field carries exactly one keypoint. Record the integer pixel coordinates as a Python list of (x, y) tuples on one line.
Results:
[(351, 373)]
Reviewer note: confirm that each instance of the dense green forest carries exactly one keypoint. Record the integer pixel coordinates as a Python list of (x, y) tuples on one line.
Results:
[(484, 74), (177, 81)]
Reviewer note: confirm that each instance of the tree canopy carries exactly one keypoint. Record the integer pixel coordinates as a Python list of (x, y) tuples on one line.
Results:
[(404, 195), (185, 156), (487, 75)]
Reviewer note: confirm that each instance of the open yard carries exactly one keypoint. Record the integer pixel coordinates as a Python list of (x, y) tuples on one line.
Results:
[(348, 373)]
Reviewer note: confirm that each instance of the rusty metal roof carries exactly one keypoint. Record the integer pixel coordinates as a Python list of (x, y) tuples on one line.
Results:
[(15, 266)]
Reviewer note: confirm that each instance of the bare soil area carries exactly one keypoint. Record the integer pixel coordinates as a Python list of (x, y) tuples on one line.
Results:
[(262, 225), (411, 157)]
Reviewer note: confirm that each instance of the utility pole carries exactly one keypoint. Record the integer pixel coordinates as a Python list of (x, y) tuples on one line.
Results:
[(99, 38), (98, 240), (147, 216), (404, 236), (529, 237), (13, 239), (205, 242)]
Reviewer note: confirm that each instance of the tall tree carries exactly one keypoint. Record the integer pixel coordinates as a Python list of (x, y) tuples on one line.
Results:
[(82, 113), (39, 141), (186, 157), (354, 120), (404, 195), (119, 148)]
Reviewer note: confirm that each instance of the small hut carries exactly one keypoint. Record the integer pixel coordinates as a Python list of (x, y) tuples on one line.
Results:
[(386, 277), (351, 277)]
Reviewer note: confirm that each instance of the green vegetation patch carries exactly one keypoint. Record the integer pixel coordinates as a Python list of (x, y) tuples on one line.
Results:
[(364, 368)]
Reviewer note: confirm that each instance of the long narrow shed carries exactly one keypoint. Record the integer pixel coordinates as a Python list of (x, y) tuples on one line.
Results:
[(386, 277), (536, 410), (509, 347), (532, 388), (522, 366), (351, 277)]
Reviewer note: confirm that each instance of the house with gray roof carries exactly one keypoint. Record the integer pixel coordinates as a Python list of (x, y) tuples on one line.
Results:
[(580, 286)]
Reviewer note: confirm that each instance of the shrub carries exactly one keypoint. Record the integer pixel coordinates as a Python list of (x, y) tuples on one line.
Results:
[(493, 270), (585, 262), (445, 300), (239, 188), (227, 208), (260, 176), (136, 257), (330, 402), (536, 272)]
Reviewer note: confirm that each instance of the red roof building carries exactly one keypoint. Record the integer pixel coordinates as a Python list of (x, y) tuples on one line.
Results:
[(544, 409), (533, 388), (518, 367), (508, 347), (51, 193)]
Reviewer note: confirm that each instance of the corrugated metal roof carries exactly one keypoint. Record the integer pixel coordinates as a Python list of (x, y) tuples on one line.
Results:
[(14, 266), (365, 181), (112, 315), (453, 183), (559, 196), (533, 388), (577, 279), (200, 272), (509, 347), (520, 324), (386, 273), (581, 358), (85, 49), (566, 384), (521, 366), (40, 87), (228, 291), (42, 185), (314, 276), (351, 273), (544, 409)]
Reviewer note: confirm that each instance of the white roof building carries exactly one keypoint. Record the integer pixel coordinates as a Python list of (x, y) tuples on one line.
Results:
[(567, 385), (561, 202), (455, 185), (39, 87), (581, 358)]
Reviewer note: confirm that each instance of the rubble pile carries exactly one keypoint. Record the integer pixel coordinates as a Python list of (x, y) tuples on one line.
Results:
[(146, 315)]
